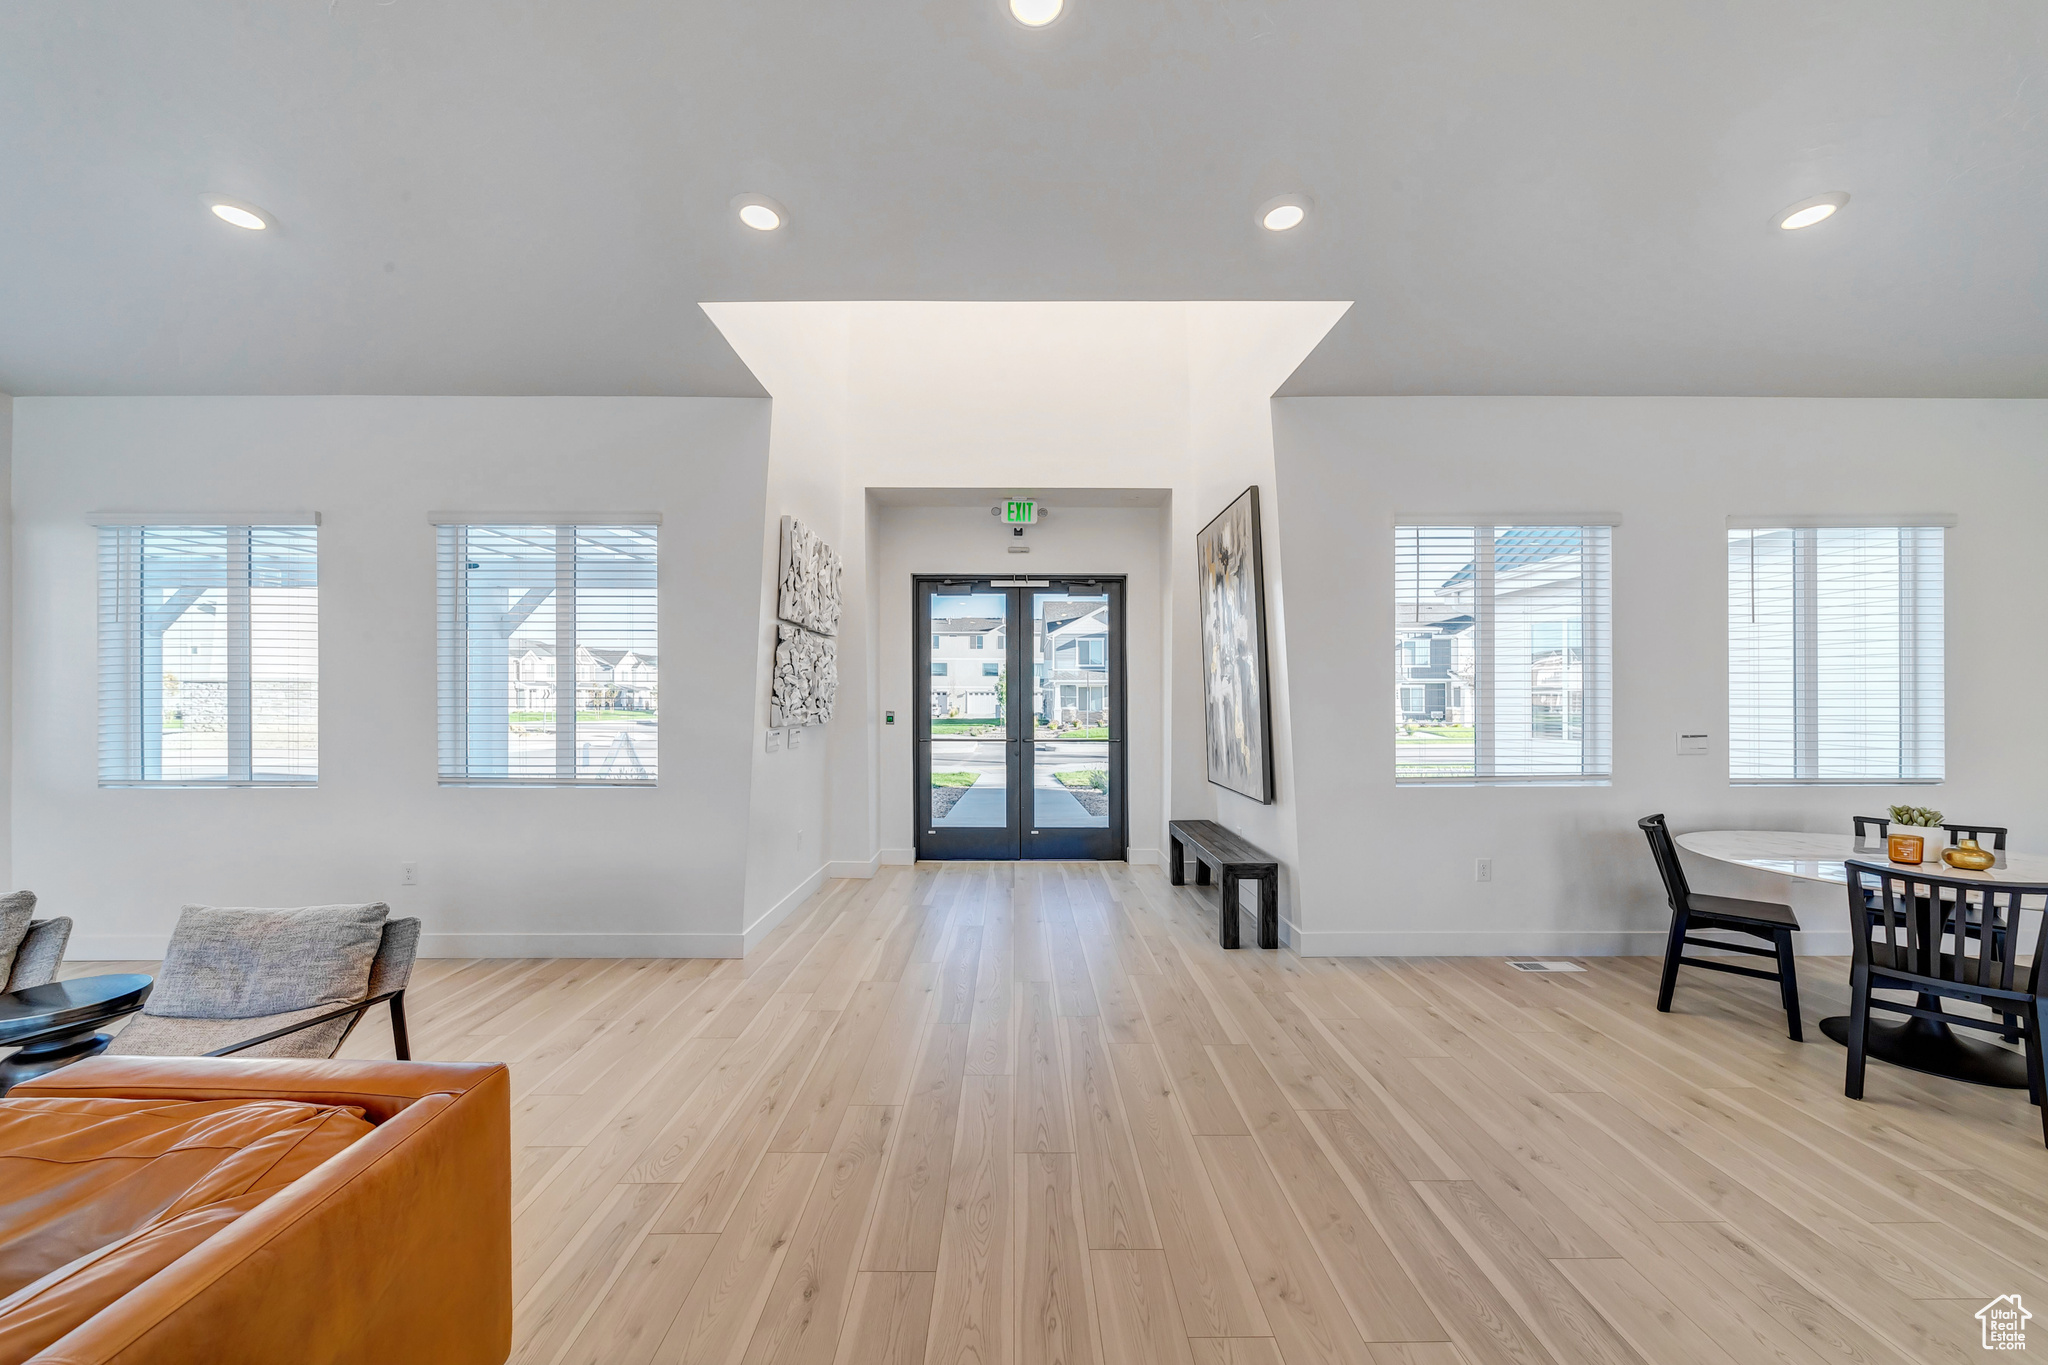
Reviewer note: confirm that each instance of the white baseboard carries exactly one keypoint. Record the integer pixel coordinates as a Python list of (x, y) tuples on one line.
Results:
[(851, 868), (897, 857), (116, 947), (150, 947), (1519, 943), (778, 912), (1142, 857), (579, 945)]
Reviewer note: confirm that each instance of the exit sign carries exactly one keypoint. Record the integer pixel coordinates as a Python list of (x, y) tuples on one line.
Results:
[(1020, 512)]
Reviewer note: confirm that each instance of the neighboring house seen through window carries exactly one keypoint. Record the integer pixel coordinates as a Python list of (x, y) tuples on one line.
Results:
[(1501, 670), (209, 655), (550, 673)]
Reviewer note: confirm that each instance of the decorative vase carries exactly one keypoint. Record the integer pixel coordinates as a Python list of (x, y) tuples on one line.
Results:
[(1932, 840), (1969, 856)]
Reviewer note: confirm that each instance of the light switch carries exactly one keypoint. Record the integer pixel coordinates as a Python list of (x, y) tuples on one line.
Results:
[(774, 741), (1692, 746)]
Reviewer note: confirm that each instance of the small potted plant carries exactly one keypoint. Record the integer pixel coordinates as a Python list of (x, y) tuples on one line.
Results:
[(1916, 822)]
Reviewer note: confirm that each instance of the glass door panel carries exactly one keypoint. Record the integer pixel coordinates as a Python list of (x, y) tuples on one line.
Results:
[(966, 750), (1076, 808)]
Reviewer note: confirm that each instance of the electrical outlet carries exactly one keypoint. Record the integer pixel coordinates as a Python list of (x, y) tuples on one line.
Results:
[(408, 874), (1482, 870)]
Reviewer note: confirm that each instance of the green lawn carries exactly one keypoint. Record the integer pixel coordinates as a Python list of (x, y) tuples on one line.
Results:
[(582, 717), (954, 779), (1097, 778), (960, 727), (1430, 734)]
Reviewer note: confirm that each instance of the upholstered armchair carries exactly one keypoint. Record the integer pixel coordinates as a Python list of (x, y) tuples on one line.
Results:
[(39, 952), (274, 983)]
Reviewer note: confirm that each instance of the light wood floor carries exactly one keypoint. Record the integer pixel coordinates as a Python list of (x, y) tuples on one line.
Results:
[(1031, 1113)]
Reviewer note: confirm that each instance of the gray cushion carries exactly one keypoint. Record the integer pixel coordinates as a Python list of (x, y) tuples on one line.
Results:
[(17, 908), (243, 964), (41, 953), (148, 1035)]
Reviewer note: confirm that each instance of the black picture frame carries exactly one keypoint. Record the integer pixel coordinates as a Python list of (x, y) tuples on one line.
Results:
[(1237, 712)]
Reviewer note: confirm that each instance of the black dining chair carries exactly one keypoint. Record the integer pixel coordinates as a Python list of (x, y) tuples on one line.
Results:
[(1907, 949), (1995, 834), (1690, 910), (1956, 833)]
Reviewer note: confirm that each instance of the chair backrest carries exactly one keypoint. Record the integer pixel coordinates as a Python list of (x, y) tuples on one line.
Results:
[(1889, 901), (40, 955), (1883, 823), (392, 967), (1957, 833), (1666, 855)]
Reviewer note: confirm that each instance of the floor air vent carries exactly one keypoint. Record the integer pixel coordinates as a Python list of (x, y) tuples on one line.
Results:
[(1523, 964)]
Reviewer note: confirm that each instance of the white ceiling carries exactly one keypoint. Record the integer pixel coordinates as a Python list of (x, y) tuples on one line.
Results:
[(513, 198)]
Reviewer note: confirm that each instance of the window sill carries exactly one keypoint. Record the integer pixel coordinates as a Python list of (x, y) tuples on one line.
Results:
[(1503, 781), (1871, 782), (517, 783), (141, 784)]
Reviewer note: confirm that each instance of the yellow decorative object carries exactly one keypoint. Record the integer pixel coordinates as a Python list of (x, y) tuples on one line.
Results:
[(1969, 856)]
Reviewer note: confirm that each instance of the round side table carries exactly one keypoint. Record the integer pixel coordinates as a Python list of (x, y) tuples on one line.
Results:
[(57, 1024)]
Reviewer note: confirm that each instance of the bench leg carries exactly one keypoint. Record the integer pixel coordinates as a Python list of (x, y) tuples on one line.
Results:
[(1269, 910), (1228, 912), (1176, 866), (1201, 870)]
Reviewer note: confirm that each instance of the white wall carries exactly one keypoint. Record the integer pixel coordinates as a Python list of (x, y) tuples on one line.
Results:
[(1075, 540), (1388, 870), (503, 872), (6, 638), (790, 805)]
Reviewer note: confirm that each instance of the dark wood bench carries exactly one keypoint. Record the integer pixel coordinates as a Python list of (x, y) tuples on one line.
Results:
[(1234, 861)]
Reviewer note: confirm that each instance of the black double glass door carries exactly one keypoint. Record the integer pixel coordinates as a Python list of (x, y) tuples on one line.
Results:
[(1020, 739)]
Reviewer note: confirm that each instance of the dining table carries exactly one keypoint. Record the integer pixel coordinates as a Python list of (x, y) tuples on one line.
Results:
[(1926, 1045)]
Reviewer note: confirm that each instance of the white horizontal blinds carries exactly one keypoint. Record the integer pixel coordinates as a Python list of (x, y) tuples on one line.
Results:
[(1835, 661), (549, 662), (209, 655), (1501, 658)]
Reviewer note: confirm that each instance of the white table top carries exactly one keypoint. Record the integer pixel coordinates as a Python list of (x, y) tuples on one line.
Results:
[(1819, 857)]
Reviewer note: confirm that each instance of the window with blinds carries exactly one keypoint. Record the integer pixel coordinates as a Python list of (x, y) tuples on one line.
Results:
[(1501, 670), (209, 655), (1835, 670), (549, 668)]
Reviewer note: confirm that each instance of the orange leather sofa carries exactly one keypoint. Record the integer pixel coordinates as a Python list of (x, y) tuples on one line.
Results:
[(394, 1250)]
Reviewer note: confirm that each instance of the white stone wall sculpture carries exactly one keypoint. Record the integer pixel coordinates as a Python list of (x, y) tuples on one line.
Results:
[(808, 592), (806, 677)]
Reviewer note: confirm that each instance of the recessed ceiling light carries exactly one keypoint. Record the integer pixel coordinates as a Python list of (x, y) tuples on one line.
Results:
[(1807, 212), (759, 212), (1036, 13), (1283, 213), (235, 211)]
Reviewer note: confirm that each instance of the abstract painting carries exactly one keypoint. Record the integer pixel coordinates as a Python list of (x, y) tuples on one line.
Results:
[(808, 592), (1233, 597), (807, 600), (806, 677)]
